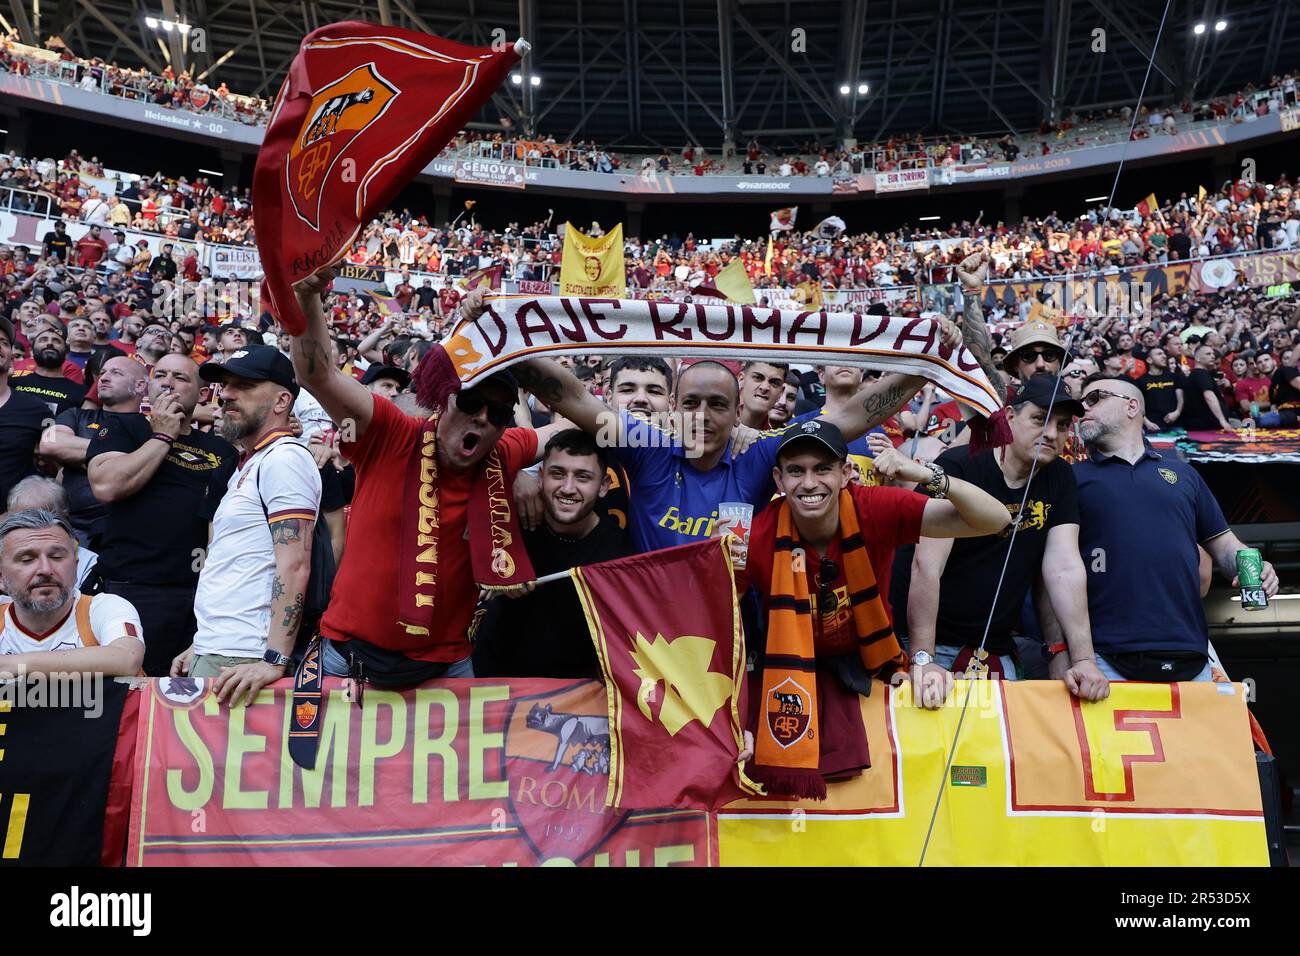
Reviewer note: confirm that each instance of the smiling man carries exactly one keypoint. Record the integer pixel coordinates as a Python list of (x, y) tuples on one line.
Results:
[(820, 559), (544, 633), (761, 385)]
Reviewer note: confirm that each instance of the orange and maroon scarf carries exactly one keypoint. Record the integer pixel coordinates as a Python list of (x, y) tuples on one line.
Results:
[(496, 548), (787, 751)]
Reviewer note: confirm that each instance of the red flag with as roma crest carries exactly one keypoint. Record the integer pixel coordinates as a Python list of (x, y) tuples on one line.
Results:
[(363, 110)]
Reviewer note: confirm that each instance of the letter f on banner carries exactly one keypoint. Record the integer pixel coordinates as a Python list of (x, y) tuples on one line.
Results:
[(1113, 739)]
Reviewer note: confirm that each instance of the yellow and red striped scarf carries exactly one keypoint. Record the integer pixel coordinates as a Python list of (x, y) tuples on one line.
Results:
[(787, 749)]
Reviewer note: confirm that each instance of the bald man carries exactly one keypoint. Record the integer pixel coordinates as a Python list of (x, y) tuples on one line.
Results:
[(1141, 516), (160, 481), (121, 385)]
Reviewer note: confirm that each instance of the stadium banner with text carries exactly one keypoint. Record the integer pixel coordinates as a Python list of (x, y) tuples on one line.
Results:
[(355, 278), (593, 265), (488, 172), (65, 769), (902, 179), (455, 773), (1155, 775), (513, 328), (242, 262)]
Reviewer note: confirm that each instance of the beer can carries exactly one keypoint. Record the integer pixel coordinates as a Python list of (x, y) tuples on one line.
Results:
[(735, 518), (1250, 578)]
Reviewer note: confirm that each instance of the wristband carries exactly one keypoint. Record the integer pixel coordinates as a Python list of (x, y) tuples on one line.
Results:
[(166, 439), (1055, 649)]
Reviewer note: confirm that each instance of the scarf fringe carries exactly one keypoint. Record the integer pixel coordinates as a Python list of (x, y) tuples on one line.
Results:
[(789, 783), (991, 432), (435, 379)]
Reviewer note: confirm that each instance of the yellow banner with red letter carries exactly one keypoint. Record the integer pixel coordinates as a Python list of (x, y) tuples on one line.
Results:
[(1156, 775), (593, 265)]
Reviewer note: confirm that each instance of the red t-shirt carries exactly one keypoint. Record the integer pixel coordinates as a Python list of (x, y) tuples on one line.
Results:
[(364, 602), (1252, 390), (889, 518)]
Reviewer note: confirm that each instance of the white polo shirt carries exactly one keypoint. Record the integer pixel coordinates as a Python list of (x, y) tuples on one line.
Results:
[(91, 622), (233, 602)]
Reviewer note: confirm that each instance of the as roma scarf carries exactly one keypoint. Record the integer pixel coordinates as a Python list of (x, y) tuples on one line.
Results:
[(363, 110), (787, 748), (497, 552)]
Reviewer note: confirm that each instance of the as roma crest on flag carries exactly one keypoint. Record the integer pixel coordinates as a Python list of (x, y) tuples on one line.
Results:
[(363, 110), (557, 748)]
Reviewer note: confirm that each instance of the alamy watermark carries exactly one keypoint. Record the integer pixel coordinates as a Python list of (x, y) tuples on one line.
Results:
[(673, 429), (210, 300), (76, 691)]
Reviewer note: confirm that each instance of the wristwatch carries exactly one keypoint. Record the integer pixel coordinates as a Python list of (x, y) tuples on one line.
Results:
[(276, 658), (921, 658), (937, 486)]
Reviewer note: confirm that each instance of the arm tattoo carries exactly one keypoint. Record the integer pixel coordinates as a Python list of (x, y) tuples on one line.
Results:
[(548, 388), (293, 612), (883, 403), (277, 588), (287, 531), (976, 334)]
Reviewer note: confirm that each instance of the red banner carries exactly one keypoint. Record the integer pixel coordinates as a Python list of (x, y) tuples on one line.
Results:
[(458, 773), (364, 108)]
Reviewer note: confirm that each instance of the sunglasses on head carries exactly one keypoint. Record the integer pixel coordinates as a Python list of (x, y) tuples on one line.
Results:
[(471, 403)]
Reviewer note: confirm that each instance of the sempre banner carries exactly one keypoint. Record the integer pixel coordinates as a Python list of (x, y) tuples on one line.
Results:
[(479, 772)]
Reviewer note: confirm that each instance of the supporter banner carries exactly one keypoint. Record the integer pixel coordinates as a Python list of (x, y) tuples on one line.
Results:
[(902, 179), (1257, 271), (1155, 775), (513, 328), (350, 278), (456, 773), (593, 265), (242, 262), (861, 298), (486, 172), (536, 287), (1265, 446), (27, 229), (1290, 120), (60, 737)]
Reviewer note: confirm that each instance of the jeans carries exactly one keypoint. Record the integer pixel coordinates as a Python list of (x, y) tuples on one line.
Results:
[(336, 665), (166, 616), (1108, 669)]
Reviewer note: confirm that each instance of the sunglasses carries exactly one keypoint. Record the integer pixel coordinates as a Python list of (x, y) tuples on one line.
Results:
[(827, 575), (155, 330), (1097, 394), (471, 403)]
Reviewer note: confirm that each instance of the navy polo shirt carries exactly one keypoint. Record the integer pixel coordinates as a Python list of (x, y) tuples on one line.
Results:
[(1139, 526), (672, 501)]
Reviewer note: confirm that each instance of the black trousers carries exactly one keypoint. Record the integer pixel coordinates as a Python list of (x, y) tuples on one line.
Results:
[(167, 617)]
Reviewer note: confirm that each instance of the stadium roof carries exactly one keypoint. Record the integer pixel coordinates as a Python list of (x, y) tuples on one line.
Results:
[(659, 72)]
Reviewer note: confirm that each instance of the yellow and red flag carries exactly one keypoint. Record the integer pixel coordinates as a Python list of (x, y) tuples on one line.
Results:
[(673, 672), (386, 305), (593, 265), (363, 109), (488, 279), (1149, 205)]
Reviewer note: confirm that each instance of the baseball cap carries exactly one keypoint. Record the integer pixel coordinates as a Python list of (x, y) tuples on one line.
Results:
[(400, 375), (258, 363), (1033, 332), (815, 431), (1038, 390)]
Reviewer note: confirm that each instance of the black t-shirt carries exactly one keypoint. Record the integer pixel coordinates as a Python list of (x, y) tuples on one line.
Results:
[(151, 537), (614, 506), (58, 394), (1281, 393), (545, 634), (1160, 389), (1197, 415), (57, 245), (1180, 244), (22, 418), (970, 578), (88, 512), (426, 297), (164, 266)]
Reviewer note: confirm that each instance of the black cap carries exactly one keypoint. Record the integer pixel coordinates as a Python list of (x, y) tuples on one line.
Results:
[(400, 375), (258, 363), (815, 430), (1039, 389)]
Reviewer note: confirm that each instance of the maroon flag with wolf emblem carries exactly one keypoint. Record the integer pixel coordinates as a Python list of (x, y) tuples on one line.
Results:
[(363, 109), (673, 659)]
